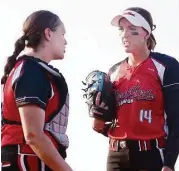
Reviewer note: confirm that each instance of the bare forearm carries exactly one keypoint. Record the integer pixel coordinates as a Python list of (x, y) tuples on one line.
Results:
[(47, 152)]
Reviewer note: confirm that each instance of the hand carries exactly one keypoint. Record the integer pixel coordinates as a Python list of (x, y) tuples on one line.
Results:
[(101, 105), (98, 124), (165, 168)]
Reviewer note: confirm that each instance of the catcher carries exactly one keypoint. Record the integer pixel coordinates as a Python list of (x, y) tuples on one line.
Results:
[(100, 98), (35, 99)]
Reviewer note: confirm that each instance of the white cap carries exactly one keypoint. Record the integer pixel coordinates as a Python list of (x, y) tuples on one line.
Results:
[(134, 18)]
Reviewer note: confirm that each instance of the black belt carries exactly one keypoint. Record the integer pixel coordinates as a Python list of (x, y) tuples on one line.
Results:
[(137, 145)]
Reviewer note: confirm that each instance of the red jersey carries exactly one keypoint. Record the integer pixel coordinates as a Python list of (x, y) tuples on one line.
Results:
[(28, 83), (147, 98), (140, 110)]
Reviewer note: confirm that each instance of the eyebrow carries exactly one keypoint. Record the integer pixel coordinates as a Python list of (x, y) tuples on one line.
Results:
[(130, 26)]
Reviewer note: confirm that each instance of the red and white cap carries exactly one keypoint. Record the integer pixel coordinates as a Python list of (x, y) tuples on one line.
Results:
[(134, 18)]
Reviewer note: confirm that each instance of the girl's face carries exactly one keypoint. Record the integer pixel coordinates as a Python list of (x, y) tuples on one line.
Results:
[(133, 37)]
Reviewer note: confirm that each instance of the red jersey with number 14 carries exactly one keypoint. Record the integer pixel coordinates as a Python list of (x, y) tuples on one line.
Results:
[(139, 97)]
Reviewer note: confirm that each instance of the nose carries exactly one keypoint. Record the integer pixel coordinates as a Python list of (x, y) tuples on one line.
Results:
[(125, 34)]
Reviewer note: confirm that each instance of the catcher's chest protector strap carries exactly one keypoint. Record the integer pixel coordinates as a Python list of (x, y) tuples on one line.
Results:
[(57, 126)]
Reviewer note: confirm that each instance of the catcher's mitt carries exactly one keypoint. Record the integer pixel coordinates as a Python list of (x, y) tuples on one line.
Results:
[(100, 96)]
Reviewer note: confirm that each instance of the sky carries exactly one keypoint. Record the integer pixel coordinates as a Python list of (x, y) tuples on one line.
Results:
[(92, 44)]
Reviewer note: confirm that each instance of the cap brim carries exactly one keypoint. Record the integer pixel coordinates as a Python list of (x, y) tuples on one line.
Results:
[(134, 18), (116, 19)]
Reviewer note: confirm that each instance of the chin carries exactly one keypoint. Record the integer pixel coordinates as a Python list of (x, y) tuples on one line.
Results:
[(129, 49), (59, 57)]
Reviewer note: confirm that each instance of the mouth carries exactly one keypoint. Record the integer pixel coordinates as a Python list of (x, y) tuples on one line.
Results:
[(126, 43)]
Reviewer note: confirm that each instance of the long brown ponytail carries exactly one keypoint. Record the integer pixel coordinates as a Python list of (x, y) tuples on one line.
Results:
[(11, 60)]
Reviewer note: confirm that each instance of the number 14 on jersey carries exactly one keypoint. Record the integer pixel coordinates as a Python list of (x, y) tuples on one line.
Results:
[(146, 115)]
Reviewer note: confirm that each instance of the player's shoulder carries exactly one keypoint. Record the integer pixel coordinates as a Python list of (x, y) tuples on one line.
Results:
[(164, 59), (116, 66), (29, 64), (27, 67), (114, 70)]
